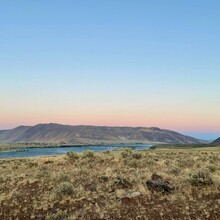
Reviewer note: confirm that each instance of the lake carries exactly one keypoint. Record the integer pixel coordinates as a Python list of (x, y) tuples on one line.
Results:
[(46, 151)]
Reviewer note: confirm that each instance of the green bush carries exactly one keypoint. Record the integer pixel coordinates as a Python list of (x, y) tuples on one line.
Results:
[(175, 171), (152, 148), (64, 189), (32, 164), (200, 178), (72, 156), (107, 152), (124, 154), (42, 172), (88, 154), (212, 168), (63, 178), (133, 163), (60, 215), (137, 155)]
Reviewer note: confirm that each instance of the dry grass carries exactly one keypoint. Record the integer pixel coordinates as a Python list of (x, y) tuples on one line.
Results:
[(93, 185)]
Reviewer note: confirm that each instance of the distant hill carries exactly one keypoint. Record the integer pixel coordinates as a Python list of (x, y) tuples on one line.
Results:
[(56, 133), (216, 142)]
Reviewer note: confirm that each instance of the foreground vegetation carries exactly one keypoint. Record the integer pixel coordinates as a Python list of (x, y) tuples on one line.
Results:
[(112, 185)]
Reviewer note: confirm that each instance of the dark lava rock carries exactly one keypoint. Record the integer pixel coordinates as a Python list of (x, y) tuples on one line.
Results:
[(91, 187), (158, 186)]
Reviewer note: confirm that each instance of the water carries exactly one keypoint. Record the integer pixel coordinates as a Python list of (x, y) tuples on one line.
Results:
[(46, 151)]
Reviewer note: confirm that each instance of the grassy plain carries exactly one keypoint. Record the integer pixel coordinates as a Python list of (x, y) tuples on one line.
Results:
[(99, 185)]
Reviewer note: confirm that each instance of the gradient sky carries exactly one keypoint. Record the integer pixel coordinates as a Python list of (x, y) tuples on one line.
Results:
[(118, 62)]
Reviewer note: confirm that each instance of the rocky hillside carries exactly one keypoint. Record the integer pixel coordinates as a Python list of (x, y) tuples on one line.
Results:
[(216, 142), (56, 133)]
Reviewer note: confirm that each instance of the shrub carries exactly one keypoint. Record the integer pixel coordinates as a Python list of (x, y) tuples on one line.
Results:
[(186, 162), (124, 154), (133, 163), (200, 178), (48, 162), (122, 183), (88, 154), (63, 178), (72, 156), (43, 172), (104, 178), (212, 168), (107, 152), (60, 215), (32, 164), (175, 171), (137, 155), (1, 179), (64, 189)]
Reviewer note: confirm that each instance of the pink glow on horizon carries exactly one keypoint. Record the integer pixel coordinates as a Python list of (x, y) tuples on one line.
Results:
[(167, 118)]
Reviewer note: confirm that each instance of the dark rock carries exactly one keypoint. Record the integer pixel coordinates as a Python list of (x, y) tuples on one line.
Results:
[(158, 186), (91, 187)]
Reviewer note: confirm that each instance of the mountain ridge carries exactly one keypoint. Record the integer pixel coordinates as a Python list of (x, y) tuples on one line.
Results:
[(216, 142), (91, 134)]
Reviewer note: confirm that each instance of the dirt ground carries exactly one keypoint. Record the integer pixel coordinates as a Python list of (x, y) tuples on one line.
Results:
[(112, 185)]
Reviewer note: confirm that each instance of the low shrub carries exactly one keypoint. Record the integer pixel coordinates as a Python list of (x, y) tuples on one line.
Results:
[(63, 178), (200, 178), (137, 155), (64, 189), (122, 182), (42, 172), (32, 164), (72, 156), (212, 168), (88, 154), (126, 152), (107, 152), (133, 163), (175, 171), (60, 215)]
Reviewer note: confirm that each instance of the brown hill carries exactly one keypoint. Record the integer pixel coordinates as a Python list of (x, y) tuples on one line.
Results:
[(56, 133)]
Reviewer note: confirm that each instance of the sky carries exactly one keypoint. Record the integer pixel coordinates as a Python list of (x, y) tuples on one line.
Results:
[(116, 63)]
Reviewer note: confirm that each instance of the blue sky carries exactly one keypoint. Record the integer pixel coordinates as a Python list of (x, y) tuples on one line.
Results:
[(138, 63)]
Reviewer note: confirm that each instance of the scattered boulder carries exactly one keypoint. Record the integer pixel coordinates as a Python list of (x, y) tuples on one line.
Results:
[(91, 187), (130, 196), (157, 184)]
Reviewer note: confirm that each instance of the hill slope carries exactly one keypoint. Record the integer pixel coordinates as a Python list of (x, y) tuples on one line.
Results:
[(56, 133), (216, 142)]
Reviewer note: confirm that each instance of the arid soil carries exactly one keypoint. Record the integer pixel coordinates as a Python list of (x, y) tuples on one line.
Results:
[(112, 185)]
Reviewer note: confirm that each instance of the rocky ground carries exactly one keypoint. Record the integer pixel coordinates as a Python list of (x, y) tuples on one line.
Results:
[(153, 184)]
